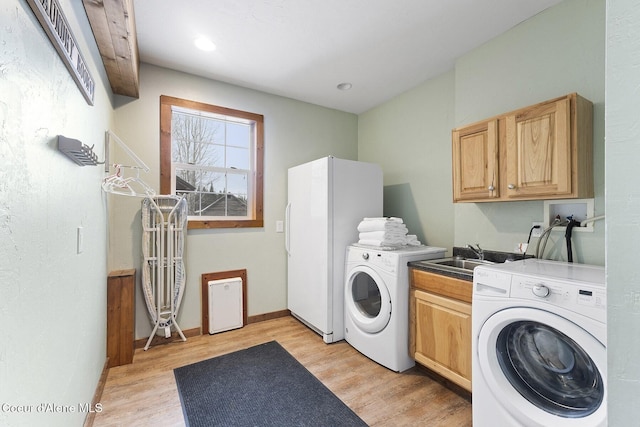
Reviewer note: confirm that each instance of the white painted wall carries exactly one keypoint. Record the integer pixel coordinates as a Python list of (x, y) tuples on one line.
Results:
[(52, 300), (623, 210), (295, 133)]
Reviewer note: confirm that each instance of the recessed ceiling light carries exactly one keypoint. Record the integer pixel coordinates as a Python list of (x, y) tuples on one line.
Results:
[(344, 86), (204, 44)]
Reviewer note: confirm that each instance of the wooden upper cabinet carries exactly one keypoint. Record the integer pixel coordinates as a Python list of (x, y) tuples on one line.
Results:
[(539, 151), (544, 152), (475, 161)]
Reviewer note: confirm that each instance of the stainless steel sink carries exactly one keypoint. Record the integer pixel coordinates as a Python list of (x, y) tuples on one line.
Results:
[(456, 264), (459, 262)]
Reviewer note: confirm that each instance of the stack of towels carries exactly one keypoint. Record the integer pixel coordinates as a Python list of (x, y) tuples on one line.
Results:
[(385, 232)]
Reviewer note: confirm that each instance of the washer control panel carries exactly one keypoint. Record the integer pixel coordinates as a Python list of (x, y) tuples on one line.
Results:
[(587, 299)]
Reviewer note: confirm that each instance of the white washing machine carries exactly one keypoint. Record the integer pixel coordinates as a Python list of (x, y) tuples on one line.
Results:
[(539, 345), (377, 302)]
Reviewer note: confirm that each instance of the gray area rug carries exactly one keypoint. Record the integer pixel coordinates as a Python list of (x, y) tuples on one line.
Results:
[(259, 386)]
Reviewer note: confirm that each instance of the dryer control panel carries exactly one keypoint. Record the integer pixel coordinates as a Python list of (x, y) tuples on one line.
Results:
[(384, 261)]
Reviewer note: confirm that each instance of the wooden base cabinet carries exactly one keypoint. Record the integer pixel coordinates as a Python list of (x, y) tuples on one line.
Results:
[(120, 316), (440, 325)]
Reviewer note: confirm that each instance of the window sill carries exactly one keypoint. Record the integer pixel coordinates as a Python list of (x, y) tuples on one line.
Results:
[(251, 223)]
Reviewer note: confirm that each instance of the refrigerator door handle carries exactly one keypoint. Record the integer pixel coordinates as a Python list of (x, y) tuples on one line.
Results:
[(286, 229)]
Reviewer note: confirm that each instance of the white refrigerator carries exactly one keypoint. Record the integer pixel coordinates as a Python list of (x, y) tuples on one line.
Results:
[(327, 199)]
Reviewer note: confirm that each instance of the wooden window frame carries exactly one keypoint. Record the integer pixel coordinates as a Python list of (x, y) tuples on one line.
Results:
[(166, 102)]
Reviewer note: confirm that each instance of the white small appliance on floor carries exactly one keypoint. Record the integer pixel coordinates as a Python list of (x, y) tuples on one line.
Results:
[(539, 345), (377, 302)]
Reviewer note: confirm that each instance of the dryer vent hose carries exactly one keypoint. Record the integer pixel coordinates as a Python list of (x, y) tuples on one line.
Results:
[(567, 236)]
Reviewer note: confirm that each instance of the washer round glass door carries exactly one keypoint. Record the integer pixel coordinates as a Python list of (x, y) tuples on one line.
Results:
[(543, 367), (367, 300)]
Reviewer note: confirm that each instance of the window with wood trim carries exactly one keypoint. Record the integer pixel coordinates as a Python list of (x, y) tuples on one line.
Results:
[(214, 157)]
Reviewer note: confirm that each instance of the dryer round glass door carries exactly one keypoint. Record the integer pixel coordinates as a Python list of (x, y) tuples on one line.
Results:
[(367, 300), (551, 367)]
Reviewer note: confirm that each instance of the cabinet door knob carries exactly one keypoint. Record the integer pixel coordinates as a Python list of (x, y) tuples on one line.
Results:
[(491, 188), (511, 186)]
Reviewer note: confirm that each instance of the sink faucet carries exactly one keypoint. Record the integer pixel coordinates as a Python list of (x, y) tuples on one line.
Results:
[(479, 252)]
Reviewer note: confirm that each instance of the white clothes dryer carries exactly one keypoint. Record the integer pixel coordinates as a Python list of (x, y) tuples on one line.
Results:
[(539, 344), (377, 302)]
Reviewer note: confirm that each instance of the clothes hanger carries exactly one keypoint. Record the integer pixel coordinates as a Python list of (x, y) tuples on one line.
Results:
[(118, 183)]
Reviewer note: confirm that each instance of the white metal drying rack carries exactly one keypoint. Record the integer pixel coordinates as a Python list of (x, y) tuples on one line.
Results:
[(164, 223), (118, 182)]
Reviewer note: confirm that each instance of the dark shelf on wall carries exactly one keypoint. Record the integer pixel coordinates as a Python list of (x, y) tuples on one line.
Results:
[(80, 153)]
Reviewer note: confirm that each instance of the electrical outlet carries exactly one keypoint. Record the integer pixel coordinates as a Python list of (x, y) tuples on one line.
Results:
[(537, 232), (520, 248)]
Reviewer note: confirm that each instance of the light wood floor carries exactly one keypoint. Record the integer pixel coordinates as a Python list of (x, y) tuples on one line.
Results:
[(144, 393)]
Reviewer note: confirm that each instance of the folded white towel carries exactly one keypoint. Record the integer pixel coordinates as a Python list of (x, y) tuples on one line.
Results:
[(381, 225), (385, 232), (385, 218), (382, 235), (383, 243), (412, 240)]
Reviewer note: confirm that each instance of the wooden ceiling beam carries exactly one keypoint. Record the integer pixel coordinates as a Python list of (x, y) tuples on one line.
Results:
[(114, 28)]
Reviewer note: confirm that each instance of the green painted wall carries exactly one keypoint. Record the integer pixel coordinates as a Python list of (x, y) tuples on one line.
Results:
[(410, 138), (295, 133), (558, 51)]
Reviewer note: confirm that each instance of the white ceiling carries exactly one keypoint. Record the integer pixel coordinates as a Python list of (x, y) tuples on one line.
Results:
[(303, 49)]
